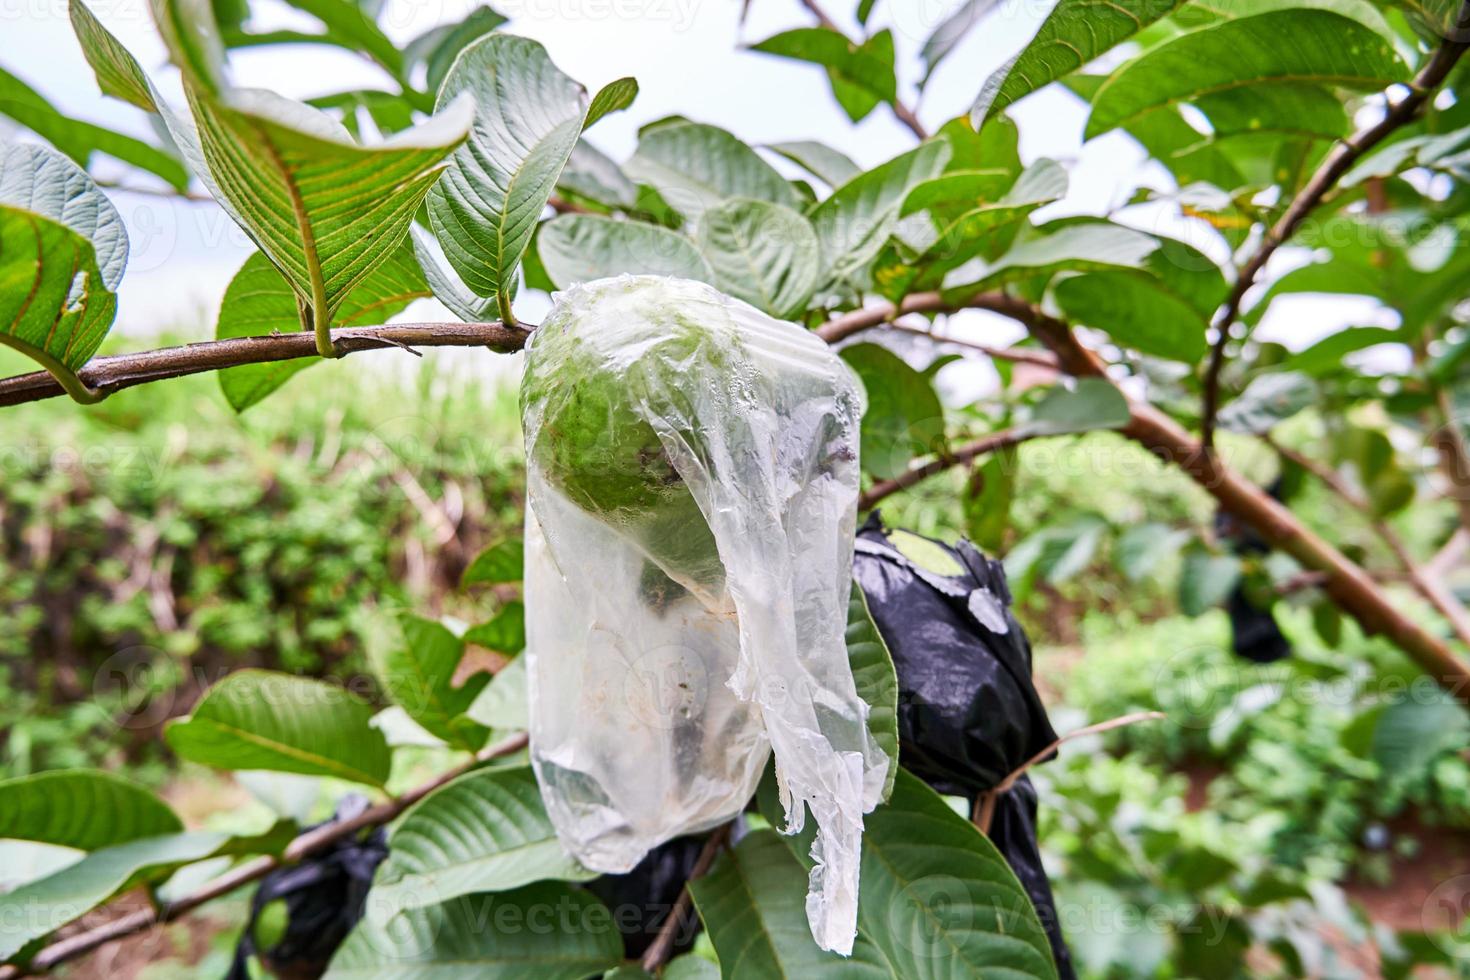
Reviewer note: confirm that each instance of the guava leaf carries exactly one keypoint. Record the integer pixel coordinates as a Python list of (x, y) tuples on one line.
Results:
[(485, 831), (904, 417), (862, 75), (256, 719), (82, 808), (503, 561), (417, 670), (1074, 33), (259, 302), (753, 904), (876, 679), (1082, 247), (582, 247), (528, 118), (452, 942), (694, 167), (1295, 46), (830, 166), (762, 253)]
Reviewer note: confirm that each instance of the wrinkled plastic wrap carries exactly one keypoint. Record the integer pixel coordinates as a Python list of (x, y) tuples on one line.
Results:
[(692, 486)]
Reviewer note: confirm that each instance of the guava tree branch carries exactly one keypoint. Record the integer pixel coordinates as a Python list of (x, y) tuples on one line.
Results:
[(307, 844), (967, 453), (668, 934), (901, 111), (110, 374), (1347, 583), (1427, 584), (1331, 170)]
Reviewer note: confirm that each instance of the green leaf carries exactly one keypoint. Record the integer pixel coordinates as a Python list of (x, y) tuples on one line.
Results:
[(1074, 33), (437, 47), (1325, 356), (855, 222), (323, 209), (118, 72), (1081, 247), (503, 561), (867, 67), (1091, 404), (826, 164), (904, 417), (615, 96), (502, 705), (62, 252), (1411, 732), (1281, 107), (951, 31), (506, 633), (1206, 579), (876, 679), (256, 719), (79, 139), (1162, 309), (969, 207), (936, 891), (418, 674), (582, 247), (753, 904), (549, 931), (1268, 399), (1295, 46), (528, 118), (987, 506), (593, 175), (691, 966), (762, 253), (1142, 547), (81, 808), (1058, 551), (40, 908), (1435, 151), (259, 302), (347, 20), (485, 831), (694, 167)]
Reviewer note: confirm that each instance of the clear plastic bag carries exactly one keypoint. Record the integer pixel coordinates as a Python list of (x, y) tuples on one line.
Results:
[(692, 492)]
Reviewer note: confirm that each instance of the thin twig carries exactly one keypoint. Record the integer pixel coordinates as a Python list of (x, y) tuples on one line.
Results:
[(959, 457), (1337, 163), (1427, 585), (663, 944), (901, 112), (984, 812), (1016, 355), (1454, 456), (303, 846), (110, 374)]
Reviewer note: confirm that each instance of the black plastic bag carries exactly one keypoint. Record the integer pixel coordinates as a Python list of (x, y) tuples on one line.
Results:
[(642, 899), (1254, 634), (324, 896), (968, 711)]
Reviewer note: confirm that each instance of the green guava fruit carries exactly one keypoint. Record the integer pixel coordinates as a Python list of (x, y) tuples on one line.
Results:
[(612, 354)]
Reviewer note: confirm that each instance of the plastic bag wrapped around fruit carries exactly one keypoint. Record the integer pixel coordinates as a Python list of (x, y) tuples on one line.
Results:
[(692, 493)]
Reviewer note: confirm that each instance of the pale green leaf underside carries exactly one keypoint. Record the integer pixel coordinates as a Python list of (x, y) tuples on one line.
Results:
[(528, 117), (259, 302), (41, 907), (1082, 247), (826, 164), (457, 940), (255, 719), (1073, 34), (44, 182), (1312, 47), (762, 253), (695, 166), (487, 831), (81, 808), (582, 247)]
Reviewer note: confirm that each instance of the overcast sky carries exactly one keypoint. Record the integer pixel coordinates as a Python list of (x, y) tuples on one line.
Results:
[(689, 58)]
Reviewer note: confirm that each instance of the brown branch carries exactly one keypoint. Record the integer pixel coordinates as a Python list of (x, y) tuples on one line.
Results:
[(1454, 456), (110, 374), (663, 944), (303, 846), (1426, 584), (1017, 355), (1331, 170), (961, 456), (901, 111)]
